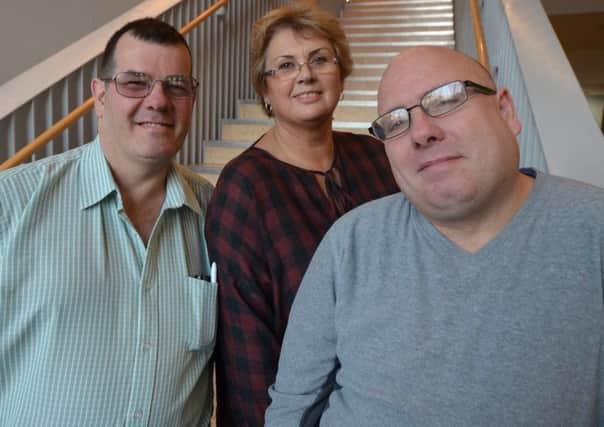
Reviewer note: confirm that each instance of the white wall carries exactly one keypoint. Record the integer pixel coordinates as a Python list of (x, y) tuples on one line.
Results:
[(596, 105), (33, 30)]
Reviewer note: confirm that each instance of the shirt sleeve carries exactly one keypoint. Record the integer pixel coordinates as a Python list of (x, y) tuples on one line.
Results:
[(247, 346), (308, 361)]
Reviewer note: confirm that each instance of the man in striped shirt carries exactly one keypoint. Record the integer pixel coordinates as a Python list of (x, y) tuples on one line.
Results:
[(104, 316)]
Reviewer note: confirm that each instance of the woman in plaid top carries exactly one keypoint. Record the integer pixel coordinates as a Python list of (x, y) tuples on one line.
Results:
[(275, 201)]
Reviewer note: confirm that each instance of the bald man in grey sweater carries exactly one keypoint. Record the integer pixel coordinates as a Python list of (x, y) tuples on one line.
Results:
[(473, 298)]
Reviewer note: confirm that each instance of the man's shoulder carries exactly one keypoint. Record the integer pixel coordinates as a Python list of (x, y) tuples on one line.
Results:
[(200, 186), (571, 200), (24, 179), (378, 212), (566, 190)]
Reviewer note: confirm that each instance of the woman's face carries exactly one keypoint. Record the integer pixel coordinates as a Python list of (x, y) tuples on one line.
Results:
[(306, 95)]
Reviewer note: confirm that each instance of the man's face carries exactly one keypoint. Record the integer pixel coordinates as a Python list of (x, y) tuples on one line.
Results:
[(150, 130), (453, 166)]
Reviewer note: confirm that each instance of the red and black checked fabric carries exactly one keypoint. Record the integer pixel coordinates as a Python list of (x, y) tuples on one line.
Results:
[(264, 223)]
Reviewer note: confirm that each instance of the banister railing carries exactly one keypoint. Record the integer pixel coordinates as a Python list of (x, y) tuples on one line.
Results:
[(481, 45), (56, 129), (220, 62)]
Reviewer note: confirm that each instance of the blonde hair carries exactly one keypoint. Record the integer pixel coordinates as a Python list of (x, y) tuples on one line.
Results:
[(299, 19)]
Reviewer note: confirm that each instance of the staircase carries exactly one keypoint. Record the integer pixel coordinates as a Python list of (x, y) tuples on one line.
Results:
[(377, 30)]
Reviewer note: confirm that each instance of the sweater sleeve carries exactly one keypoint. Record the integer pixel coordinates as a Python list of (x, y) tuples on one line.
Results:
[(247, 347), (308, 361)]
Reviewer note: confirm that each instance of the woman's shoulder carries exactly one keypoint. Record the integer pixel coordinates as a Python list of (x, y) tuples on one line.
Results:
[(248, 172), (355, 142), (247, 164)]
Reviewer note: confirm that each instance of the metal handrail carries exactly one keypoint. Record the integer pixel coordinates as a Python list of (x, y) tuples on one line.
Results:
[(56, 129), (481, 46)]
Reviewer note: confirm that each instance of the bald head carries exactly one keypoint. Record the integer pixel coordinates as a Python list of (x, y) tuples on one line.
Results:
[(425, 67)]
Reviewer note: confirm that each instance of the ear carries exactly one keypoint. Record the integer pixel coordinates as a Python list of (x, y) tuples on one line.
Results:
[(507, 111), (98, 89)]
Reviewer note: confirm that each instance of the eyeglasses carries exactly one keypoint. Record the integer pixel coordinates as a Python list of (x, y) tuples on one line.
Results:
[(321, 62), (138, 85), (435, 103)]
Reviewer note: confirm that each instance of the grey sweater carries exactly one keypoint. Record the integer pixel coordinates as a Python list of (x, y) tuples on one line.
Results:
[(394, 325)]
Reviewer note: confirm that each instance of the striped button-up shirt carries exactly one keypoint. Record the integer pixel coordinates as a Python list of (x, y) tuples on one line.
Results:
[(95, 328)]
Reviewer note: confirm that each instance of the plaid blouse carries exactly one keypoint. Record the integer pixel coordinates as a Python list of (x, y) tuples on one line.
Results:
[(265, 220)]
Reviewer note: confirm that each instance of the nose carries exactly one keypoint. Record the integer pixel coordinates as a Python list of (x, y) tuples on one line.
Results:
[(304, 72), (157, 98), (424, 129)]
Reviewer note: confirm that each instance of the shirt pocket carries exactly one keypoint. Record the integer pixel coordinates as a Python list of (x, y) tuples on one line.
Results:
[(201, 298)]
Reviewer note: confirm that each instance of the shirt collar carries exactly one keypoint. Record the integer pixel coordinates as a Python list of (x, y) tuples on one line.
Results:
[(179, 192), (98, 183), (96, 178)]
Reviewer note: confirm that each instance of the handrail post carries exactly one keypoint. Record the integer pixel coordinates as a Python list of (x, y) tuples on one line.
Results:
[(481, 48)]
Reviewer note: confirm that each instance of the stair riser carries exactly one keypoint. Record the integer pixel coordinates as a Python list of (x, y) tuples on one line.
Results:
[(394, 48), (365, 58), (393, 5), (353, 31), (354, 97), (367, 72), (243, 132), (247, 132), (410, 38), (223, 155), (392, 19), (399, 14), (361, 85), (342, 113)]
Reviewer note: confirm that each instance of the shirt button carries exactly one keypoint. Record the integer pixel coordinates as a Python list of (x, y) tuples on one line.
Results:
[(147, 347), (138, 414)]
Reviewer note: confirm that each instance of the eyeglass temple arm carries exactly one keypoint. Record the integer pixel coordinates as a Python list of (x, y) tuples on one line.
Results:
[(479, 88)]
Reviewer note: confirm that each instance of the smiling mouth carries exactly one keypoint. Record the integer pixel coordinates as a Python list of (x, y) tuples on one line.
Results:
[(155, 124), (307, 94), (436, 162)]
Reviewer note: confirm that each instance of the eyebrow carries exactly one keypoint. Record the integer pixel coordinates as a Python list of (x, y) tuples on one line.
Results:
[(312, 52), (142, 73)]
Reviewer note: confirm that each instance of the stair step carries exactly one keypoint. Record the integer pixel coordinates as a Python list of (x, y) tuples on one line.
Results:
[(244, 130), (359, 70), (361, 58), (360, 95), (401, 34), (221, 152), (362, 83), (411, 9), (353, 29), (410, 38), (346, 111), (385, 18), (396, 3), (358, 47), (209, 171), (251, 130)]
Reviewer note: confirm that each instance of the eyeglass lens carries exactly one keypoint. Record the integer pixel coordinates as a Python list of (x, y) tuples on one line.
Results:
[(320, 62), (437, 102), (139, 85)]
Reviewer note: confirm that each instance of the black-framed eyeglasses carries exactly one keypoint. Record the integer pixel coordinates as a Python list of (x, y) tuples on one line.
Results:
[(133, 84), (436, 102), (320, 62)]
